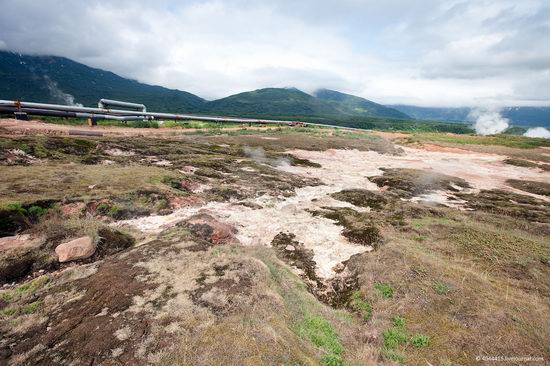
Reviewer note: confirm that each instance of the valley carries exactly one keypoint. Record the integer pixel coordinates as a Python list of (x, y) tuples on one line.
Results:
[(286, 246)]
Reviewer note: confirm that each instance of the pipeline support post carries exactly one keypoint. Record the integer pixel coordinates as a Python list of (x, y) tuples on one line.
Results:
[(21, 116)]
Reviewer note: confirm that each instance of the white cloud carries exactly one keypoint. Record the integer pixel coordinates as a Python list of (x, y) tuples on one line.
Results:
[(428, 53)]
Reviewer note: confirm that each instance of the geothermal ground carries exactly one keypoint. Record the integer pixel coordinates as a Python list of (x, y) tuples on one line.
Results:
[(292, 246)]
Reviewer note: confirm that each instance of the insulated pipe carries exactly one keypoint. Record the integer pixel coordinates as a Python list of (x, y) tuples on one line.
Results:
[(11, 106), (20, 105), (66, 114), (105, 103), (106, 116)]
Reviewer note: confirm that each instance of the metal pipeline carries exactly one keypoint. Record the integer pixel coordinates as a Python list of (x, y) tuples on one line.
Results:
[(67, 114), (43, 109), (21, 106), (105, 103)]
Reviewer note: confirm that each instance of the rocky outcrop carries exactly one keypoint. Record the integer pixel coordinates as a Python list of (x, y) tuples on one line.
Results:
[(76, 249), (20, 241)]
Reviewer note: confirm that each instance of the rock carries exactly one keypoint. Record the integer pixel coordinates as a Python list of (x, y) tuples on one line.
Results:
[(188, 169), (20, 241), (80, 248), (75, 208), (210, 229), (290, 248), (189, 186)]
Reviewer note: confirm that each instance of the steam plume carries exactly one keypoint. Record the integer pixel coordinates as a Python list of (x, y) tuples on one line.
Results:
[(488, 121), (540, 132), (59, 94), (258, 154)]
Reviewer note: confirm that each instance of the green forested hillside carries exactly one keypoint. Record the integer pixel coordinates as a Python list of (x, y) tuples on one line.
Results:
[(59, 80), (351, 105), (271, 102), (291, 102)]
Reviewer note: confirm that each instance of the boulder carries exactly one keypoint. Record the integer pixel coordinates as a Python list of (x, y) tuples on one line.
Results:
[(80, 248)]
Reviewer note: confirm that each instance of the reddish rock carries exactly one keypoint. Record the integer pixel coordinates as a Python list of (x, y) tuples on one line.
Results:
[(212, 230), (189, 186), (80, 248), (176, 202), (71, 209), (188, 169), (20, 241)]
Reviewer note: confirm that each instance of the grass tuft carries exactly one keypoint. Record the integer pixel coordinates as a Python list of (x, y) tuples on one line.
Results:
[(322, 334), (420, 340), (384, 289), (363, 307), (398, 321), (394, 337), (392, 355), (441, 288), (28, 288)]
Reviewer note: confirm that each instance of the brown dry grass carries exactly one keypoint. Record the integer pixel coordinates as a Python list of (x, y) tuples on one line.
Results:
[(474, 288), (75, 181)]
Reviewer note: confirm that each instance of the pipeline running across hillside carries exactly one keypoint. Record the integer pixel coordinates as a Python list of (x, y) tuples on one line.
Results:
[(133, 113)]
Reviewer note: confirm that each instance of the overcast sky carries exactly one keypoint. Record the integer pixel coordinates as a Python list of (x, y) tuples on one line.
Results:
[(423, 52)]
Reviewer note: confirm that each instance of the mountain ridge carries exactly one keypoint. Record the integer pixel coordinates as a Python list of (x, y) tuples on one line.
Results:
[(54, 79)]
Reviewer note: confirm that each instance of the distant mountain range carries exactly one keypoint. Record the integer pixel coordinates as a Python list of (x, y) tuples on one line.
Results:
[(60, 80), (519, 116), (54, 79)]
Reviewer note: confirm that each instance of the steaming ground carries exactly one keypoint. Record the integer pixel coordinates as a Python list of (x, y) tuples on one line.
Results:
[(340, 170)]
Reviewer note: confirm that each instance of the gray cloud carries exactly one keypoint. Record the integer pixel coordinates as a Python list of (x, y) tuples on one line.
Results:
[(430, 52)]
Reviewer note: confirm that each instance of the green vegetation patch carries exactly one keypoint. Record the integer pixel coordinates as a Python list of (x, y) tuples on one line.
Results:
[(440, 288), (420, 340), (322, 334), (393, 355), (361, 305), (27, 309), (394, 337), (397, 336), (384, 289), (521, 142)]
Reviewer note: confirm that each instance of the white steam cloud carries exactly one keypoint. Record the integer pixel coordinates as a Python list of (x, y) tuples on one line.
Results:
[(539, 132), (258, 154), (59, 94), (488, 121)]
